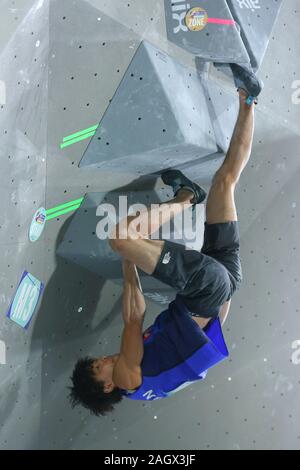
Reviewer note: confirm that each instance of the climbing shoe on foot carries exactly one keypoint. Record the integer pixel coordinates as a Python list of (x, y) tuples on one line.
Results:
[(178, 181), (246, 79)]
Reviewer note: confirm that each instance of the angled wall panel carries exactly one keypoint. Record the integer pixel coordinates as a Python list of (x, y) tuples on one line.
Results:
[(158, 117), (256, 19), (219, 39), (223, 112)]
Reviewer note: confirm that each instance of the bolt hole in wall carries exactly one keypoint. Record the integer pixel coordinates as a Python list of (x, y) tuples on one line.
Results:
[(55, 311)]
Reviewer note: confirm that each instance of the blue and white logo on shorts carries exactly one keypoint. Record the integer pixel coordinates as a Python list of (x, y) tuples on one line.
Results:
[(167, 258)]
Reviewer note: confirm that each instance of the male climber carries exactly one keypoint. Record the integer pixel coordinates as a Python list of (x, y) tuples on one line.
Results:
[(186, 339)]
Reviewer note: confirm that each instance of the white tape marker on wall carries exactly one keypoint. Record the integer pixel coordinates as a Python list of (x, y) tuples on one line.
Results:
[(2, 353), (296, 354), (2, 92)]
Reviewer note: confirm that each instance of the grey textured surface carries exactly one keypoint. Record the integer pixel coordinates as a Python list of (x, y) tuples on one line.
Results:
[(245, 42), (256, 20), (251, 401), (157, 118), (216, 42)]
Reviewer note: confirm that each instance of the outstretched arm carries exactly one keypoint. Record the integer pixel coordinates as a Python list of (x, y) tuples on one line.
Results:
[(134, 305), (127, 373)]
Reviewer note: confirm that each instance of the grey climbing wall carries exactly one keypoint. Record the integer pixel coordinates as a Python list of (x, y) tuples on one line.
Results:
[(60, 85), (157, 118), (226, 31), (256, 20), (222, 109), (195, 119), (216, 37)]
